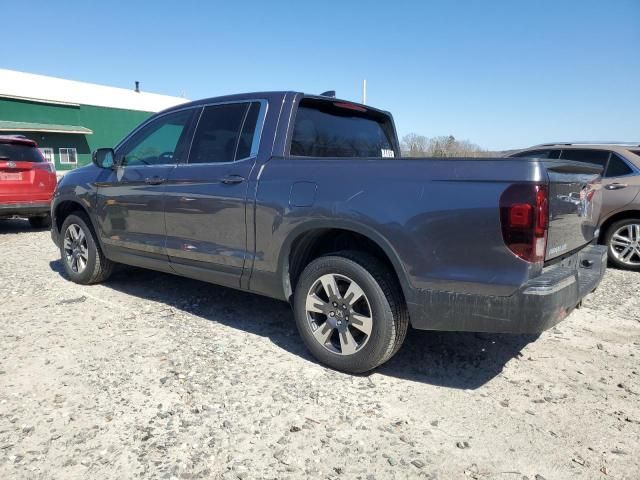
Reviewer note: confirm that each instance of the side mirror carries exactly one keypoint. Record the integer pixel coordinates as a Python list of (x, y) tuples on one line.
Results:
[(104, 158)]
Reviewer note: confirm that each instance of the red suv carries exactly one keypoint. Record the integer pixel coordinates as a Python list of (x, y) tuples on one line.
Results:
[(27, 181)]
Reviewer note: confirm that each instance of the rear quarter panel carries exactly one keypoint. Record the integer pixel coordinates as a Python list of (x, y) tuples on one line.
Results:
[(438, 220)]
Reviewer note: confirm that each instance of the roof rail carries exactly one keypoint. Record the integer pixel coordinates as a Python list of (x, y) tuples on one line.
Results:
[(620, 144)]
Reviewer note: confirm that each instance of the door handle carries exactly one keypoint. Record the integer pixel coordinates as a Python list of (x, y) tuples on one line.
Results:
[(232, 179), (616, 186), (155, 180)]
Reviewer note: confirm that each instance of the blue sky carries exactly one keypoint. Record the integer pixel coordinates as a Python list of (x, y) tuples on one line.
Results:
[(502, 74)]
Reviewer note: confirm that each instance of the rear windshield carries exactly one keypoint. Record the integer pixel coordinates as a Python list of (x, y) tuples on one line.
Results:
[(337, 129), (20, 153)]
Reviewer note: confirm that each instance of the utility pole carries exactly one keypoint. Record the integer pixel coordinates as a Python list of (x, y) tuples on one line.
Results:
[(364, 92)]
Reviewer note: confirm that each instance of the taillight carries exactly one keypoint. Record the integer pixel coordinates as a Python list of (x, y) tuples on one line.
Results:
[(524, 215), (43, 166)]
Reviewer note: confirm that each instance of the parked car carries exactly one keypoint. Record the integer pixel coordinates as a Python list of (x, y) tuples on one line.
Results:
[(305, 199), (620, 215), (27, 181)]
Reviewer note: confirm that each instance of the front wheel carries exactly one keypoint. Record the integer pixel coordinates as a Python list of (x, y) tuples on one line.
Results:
[(623, 242), (350, 311), (81, 254)]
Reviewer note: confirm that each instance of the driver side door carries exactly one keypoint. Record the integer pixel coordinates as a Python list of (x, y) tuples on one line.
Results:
[(130, 201)]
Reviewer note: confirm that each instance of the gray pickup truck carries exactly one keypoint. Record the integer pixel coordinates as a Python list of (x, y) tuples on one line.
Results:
[(306, 199)]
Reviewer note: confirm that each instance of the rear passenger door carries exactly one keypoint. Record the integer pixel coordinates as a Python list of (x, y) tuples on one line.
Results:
[(620, 183), (206, 197), (617, 191)]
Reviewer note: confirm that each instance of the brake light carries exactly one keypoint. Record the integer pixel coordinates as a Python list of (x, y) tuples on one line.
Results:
[(349, 106), (520, 215), (43, 166), (524, 215)]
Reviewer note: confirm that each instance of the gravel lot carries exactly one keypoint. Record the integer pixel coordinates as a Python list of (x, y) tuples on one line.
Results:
[(155, 376)]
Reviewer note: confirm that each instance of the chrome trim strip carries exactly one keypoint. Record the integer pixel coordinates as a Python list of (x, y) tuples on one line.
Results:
[(539, 290), (261, 117), (257, 134)]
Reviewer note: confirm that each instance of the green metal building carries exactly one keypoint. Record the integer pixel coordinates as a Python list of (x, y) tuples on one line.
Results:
[(70, 119)]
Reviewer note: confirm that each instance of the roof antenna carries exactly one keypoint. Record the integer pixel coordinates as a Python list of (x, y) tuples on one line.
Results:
[(329, 93), (137, 86)]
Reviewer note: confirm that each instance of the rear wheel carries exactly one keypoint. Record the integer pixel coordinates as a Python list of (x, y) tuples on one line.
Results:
[(350, 311), (43, 221), (623, 242), (82, 257)]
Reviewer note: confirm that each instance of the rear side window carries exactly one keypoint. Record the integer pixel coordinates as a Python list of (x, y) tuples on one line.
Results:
[(550, 154), (336, 129), (598, 157), (20, 153), (248, 132), (617, 167), (225, 133)]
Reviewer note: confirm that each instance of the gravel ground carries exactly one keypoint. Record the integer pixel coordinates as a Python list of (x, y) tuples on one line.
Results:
[(155, 376)]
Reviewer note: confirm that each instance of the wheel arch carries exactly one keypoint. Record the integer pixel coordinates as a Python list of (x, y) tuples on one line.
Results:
[(64, 208), (315, 239), (604, 226)]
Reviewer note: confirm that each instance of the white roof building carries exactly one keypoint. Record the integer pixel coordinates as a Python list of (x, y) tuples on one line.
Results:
[(32, 87)]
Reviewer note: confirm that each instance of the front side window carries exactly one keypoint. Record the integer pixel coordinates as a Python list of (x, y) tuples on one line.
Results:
[(158, 142), (225, 133), (68, 156), (617, 167), (336, 129), (599, 157)]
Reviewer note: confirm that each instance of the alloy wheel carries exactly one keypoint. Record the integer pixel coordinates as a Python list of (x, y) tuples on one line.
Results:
[(76, 251), (625, 244), (339, 314)]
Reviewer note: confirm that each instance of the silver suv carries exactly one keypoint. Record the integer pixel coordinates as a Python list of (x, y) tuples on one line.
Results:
[(620, 217)]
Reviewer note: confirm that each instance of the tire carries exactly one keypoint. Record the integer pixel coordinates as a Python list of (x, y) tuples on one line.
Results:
[(627, 228), (381, 301), (97, 267), (40, 222)]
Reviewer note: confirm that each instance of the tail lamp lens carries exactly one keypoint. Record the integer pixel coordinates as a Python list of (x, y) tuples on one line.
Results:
[(46, 166), (524, 215)]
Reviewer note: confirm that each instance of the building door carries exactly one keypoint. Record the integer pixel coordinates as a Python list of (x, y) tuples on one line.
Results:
[(130, 203), (206, 197)]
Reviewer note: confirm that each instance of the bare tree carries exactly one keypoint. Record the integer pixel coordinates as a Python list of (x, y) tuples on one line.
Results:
[(447, 146), (414, 145)]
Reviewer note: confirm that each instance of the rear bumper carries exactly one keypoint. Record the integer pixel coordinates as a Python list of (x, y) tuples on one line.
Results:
[(25, 209), (538, 305)]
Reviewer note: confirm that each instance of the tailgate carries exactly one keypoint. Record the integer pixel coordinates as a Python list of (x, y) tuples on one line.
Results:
[(575, 199), (25, 181)]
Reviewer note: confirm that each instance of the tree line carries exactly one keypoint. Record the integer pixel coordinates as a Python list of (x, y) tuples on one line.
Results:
[(414, 145)]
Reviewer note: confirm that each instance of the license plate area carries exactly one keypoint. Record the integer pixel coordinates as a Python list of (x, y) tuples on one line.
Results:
[(10, 176)]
